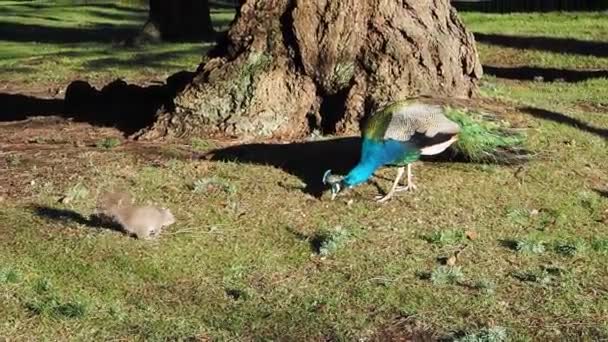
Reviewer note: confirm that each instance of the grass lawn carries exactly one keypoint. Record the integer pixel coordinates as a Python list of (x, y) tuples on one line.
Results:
[(63, 42), (254, 256)]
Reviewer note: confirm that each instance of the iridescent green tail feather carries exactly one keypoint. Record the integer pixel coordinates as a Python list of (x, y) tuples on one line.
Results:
[(484, 138)]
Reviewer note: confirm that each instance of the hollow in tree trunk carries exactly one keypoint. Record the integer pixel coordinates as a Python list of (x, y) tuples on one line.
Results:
[(290, 66)]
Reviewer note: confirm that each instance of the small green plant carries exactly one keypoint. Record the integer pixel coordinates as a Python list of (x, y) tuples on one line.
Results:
[(570, 249), (446, 237), (75, 193), (493, 334), (42, 286), (13, 160), (53, 307), (69, 310), (542, 276), (199, 144), (446, 275), (108, 143), (485, 286), (210, 185), (530, 247), (9, 275), (600, 245), (589, 200), (326, 242), (518, 216)]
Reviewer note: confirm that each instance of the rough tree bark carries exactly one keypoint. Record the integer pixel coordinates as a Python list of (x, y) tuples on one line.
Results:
[(289, 66), (178, 20)]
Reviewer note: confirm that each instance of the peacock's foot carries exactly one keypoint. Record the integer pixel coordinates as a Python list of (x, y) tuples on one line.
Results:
[(409, 187), (382, 199)]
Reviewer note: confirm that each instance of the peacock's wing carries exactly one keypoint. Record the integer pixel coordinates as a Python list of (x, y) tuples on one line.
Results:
[(423, 126)]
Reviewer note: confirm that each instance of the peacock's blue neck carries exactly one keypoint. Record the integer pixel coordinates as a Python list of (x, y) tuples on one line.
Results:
[(360, 173), (374, 154)]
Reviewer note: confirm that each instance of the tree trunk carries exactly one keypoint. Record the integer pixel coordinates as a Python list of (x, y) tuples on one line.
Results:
[(290, 66), (179, 20)]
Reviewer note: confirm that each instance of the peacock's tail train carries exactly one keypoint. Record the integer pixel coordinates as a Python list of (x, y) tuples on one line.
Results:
[(484, 138)]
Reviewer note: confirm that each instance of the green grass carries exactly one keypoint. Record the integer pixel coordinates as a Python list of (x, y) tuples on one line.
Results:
[(108, 143), (54, 42), (253, 257)]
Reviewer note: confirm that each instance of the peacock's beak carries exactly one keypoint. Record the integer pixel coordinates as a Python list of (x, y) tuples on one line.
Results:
[(334, 182)]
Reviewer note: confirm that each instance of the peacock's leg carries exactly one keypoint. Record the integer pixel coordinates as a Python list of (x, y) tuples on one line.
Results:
[(385, 198), (410, 185)]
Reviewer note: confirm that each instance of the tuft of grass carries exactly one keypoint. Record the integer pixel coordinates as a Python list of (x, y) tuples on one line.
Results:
[(518, 216), (13, 160), (327, 242), (446, 237), (201, 145), (75, 193), (530, 247), (493, 334), (69, 310), (570, 249), (485, 286), (543, 276), (42, 286), (51, 306), (600, 245), (483, 138), (446, 275), (9, 275), (108, 143), (213, 184)]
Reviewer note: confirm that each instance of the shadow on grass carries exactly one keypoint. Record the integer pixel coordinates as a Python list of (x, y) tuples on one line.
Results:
[(47, 34), (547, 74), (509, 244), (126, 107), (309, 160), (38, 6), (65, 215), (130, 21), (602, 193), (557, 45), (566, 120), (159, 60), (306, 160)]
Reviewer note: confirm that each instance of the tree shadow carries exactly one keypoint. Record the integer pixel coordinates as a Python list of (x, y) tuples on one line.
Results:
[(39, 6), (310, 159), (47, 34), (558, 45), (566, 120), (305, 160), (602, 193), (144, 59), (545, 74), (509, 244), (126, 107), (65, 215)]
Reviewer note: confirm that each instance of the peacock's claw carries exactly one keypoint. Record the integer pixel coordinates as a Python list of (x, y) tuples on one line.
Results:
[(383, 199), (410, 187)]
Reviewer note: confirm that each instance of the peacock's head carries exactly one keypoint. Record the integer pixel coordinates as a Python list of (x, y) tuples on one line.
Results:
[(336, 182)]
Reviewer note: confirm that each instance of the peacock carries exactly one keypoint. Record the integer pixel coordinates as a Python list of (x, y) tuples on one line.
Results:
[(402, 132)]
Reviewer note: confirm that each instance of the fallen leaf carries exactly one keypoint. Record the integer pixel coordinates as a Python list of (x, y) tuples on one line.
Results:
[(451, 261), (471, 235)]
